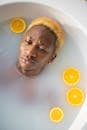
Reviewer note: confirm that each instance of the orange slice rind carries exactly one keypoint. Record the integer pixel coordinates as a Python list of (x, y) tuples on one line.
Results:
[(71, 76), (56, 114), (75, 96), (17, 25)]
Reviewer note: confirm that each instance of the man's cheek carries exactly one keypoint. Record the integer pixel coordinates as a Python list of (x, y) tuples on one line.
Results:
[(44, 59), (22, 50)]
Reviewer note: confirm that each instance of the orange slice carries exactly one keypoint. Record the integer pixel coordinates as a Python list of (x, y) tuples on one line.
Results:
[(17, 25), (75, 96), (71, 76), (56, 114)]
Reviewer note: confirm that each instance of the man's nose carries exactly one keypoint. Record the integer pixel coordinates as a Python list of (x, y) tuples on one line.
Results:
[(32, 53)]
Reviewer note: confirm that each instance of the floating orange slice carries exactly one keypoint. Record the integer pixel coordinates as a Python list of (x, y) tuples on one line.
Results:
[(56, 114), (17, 25), (71, 76), (75, 96)]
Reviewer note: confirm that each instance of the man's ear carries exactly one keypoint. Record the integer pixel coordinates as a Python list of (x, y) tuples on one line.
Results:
[(52, 58)]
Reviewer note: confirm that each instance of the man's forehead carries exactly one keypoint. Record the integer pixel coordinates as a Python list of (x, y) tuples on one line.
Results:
[(41, 30), (42, 34)]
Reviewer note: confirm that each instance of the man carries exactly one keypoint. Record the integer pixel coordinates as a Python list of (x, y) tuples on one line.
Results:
[(43, 38)]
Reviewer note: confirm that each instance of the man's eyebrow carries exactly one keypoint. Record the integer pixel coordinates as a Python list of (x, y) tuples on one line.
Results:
[(43, 43)]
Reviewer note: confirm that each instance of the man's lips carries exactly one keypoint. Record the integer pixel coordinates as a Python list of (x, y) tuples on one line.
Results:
[(24, 60), (27, 61)]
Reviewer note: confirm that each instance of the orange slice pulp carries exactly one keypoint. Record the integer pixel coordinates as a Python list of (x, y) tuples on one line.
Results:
[(71, 76), (17, 25), (75, 96), (56, 114)]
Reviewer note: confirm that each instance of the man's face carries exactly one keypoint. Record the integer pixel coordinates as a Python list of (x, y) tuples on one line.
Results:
[(36, 49)]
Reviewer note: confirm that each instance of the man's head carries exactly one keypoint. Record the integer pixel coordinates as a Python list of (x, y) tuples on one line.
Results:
[(36, 50), (43, 38)]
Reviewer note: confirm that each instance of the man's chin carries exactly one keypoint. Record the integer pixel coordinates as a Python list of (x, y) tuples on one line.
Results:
[(32, 71)]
